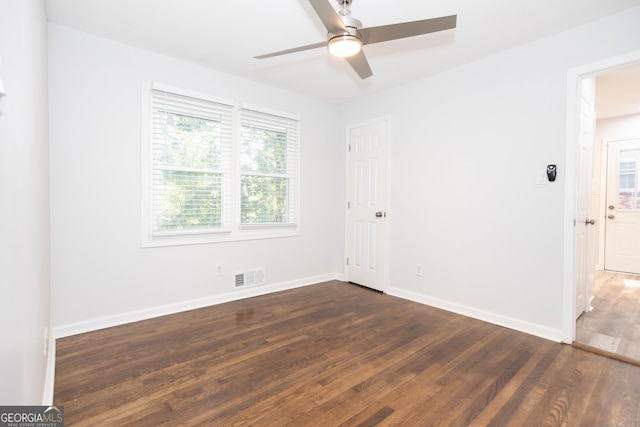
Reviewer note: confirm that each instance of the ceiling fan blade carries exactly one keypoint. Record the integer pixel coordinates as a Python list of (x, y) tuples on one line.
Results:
[(360, 64), (329, 16), (295, 49), (407, 29)]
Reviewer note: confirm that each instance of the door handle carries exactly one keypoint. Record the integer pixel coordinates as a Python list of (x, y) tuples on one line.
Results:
[(378, 214), (611, 216), (589, 221)]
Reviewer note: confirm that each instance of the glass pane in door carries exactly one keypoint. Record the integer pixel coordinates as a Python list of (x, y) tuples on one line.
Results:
[(628, 171)]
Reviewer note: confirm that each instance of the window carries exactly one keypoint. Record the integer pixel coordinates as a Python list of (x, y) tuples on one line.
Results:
[(268, 160), (191, 164), (627, 175), (214, 172), (628, 185)]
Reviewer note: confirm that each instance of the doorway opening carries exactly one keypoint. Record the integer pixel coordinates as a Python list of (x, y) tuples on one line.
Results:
[(609, 316)]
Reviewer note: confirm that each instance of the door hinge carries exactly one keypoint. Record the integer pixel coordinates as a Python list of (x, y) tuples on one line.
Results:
[(348, 205), (349, 147), (347, 261)]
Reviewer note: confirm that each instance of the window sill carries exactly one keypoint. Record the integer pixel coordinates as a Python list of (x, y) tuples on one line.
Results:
[(249, 233)]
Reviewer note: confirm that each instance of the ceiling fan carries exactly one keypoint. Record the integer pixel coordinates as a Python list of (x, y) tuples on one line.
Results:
[(346, 36)]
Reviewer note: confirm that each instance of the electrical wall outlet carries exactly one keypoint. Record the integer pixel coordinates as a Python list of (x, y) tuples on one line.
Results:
[(418, 269), (219, 270)]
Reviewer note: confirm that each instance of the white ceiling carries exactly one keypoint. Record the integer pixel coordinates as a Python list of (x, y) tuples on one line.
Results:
[(227, 35)]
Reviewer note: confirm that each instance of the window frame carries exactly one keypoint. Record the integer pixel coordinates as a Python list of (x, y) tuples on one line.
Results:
[(232, 229)]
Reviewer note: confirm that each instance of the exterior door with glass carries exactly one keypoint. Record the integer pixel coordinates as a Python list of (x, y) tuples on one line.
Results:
[(622, 213)]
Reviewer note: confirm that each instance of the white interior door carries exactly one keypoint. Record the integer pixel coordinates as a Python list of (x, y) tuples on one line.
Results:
[(585, 230), (367, 205), (622, 229)]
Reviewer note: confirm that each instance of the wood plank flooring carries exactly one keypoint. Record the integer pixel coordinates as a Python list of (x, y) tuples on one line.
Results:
[(613, 326), (335, 354)]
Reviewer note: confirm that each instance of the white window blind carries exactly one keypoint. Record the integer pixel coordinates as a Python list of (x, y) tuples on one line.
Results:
[(191, 164), (268, 161)]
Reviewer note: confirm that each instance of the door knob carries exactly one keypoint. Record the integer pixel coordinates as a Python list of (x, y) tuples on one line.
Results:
[(611, 216), (589, 221), (378, 214)]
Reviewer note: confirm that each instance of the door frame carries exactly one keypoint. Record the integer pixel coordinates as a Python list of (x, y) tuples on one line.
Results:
[(574, 78), (386, 251)]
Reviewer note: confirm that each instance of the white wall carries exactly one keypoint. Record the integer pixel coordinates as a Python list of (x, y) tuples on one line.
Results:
[(24, 202), (465, 149), (100, 274)]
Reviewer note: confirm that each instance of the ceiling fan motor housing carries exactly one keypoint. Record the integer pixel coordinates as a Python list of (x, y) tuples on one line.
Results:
[(351, 24)]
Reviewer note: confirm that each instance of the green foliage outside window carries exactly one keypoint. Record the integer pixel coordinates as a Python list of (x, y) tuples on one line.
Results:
[(264, 184), (187, 176), (190, 201)]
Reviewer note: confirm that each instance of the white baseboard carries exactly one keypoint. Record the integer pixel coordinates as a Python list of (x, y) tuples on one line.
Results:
[(50, 374), (496, 319), (148, 313)]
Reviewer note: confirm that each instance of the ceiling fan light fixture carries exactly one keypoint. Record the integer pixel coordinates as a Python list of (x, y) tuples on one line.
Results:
[(345, 45)]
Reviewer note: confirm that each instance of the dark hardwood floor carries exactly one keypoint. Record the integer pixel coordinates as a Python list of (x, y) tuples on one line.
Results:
[(335, 354), (613, 326)]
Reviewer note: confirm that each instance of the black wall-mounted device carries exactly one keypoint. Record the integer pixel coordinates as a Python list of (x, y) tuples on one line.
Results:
[(551, 172)]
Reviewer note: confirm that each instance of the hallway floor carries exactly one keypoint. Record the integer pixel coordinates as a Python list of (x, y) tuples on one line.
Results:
[(613, 326)]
